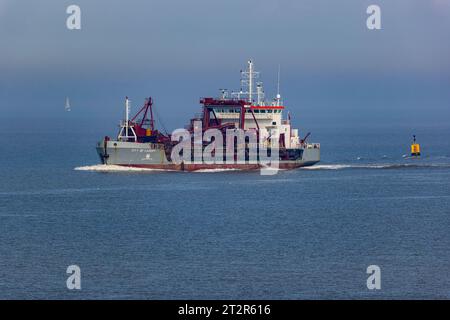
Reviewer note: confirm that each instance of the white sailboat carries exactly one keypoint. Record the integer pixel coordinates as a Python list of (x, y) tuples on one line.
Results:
[(67, 106)]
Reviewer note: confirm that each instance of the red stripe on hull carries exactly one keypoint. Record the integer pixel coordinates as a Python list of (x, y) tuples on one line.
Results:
[(201, 166)]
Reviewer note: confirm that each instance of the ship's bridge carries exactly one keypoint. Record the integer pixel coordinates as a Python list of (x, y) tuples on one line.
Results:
[(248, 109), (231, 110)]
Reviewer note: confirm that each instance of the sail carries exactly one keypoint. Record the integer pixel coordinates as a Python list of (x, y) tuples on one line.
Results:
[(67, 106)]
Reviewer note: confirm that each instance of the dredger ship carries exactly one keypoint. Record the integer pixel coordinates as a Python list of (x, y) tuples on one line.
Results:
[(140, 144)]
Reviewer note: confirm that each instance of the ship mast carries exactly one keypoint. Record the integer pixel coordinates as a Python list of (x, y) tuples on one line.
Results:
[(247, 80), (126, 127), (127, 114)]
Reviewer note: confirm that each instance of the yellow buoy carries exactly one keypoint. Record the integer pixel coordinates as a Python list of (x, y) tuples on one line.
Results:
[(148, 132), (415, 148)]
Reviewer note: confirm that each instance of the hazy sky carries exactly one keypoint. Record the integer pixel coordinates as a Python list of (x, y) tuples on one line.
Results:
[(333, 68)]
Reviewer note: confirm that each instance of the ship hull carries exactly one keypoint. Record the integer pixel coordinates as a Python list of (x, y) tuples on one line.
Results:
[(153, 156)]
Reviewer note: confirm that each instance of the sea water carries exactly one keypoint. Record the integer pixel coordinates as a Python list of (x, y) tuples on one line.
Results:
[(300, 234)]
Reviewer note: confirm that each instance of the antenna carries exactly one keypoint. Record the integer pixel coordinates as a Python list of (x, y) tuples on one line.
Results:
[(278, 86), (250, 81)]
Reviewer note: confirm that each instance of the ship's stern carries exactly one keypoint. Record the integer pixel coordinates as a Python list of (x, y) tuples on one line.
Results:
[(311, 154)]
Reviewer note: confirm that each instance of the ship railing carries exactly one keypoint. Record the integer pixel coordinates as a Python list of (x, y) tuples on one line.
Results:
[(221, 99), (313, 145), (156, 146)]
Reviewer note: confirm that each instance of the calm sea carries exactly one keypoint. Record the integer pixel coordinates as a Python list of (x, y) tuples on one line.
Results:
[(302, 234)]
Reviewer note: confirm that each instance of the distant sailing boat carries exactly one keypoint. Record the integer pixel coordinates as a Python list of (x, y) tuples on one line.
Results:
[(67, 106)]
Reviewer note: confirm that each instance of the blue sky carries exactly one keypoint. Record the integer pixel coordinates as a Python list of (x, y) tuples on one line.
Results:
[(334, 70)]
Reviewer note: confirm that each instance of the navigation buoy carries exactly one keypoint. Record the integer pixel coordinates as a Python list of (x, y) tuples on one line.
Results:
[(415, 148)]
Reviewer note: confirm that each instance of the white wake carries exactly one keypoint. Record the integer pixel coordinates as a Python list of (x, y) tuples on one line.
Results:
[(115, 168), (375, 166), (216, 170)]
